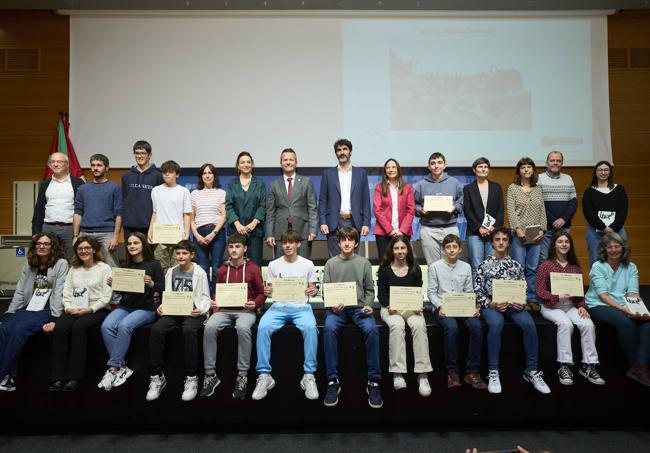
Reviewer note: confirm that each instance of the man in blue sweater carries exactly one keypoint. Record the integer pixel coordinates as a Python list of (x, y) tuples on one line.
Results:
[(137, 184), (98, 209), (435, 225)]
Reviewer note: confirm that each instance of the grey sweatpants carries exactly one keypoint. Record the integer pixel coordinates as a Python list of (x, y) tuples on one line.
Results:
[(243, 321)]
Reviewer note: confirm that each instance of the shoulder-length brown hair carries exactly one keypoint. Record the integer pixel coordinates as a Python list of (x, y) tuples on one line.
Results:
[(200, 185), (97, 256), (384, 178), (56, 250), (525, 161), (610, 179), (147, 252), (571, 256), (614, 237), (389, 257)]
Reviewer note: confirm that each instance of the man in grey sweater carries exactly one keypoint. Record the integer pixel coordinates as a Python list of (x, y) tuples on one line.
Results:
[(349, 267)]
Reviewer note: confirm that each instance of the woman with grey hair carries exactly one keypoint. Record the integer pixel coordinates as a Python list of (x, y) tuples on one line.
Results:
[(613, 278)]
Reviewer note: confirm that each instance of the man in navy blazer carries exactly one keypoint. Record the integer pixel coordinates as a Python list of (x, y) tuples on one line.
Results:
[(344, 197)]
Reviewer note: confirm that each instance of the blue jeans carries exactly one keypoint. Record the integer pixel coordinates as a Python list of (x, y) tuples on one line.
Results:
[(450, 342), (117, 330), (528, 256), (633, 335), (495, 320), (302, 316), (333, 323), (478, 249), (14, 333), (211, 255), (594, 238)]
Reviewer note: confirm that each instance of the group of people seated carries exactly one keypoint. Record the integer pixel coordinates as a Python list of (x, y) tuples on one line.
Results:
[(66, 298)]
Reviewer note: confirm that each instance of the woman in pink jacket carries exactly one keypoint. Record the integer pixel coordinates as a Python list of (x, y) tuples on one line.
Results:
[(394, 207)]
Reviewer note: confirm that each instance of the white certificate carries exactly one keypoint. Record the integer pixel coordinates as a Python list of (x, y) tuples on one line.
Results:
[(167, 233), (459, 305), (289, 289), (340, 293), (177, 303), (437, 203), (570, 284), (231, 294), (509, 291), (488, 221), (636, 305), (404, 298), (80, 297), (39, 299), (128, 280)]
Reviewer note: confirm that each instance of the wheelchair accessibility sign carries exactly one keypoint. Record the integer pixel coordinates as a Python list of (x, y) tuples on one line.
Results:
[(20, 252)]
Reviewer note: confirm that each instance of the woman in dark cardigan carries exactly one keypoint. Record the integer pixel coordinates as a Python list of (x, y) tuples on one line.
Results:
[(481, 197)]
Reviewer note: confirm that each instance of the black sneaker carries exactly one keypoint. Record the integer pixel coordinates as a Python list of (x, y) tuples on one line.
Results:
[(71, 386), (332, 394), (374, 395), (239, 393), (56, 386), (210, 382), (565, 375), (8, 384), (590, 373)]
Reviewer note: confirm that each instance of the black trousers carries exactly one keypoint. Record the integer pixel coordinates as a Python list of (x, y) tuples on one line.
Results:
[(69, 344), (162, 328)]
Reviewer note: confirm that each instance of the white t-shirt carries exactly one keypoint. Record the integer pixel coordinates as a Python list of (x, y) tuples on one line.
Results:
[(281, 268), (170, 203)]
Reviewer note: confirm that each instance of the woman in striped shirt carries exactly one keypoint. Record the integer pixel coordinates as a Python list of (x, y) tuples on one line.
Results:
[(526, 211), (208, 218)]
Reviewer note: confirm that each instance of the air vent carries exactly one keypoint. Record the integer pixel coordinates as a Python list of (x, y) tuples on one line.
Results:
[(22, 60), (617, 58), (640, 58)]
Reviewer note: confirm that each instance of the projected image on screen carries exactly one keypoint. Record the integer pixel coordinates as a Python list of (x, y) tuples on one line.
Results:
[(491, 100)]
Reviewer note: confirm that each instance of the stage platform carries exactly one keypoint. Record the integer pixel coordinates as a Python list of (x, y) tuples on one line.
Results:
[(621, 403)]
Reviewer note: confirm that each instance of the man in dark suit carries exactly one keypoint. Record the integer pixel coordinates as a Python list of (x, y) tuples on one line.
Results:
[(54, 207), (291, 204), (344, 197)]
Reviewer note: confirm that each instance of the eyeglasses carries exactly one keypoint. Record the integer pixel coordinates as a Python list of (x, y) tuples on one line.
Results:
[(141, 153), (57, 162), (84, 249), (43, 244)]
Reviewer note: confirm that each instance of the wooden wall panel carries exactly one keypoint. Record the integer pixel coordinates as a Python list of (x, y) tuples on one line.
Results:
[(623, 86), (31, 90), (631, 148)]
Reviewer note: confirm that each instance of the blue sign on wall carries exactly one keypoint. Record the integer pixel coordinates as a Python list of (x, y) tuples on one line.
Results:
[(20, 252)]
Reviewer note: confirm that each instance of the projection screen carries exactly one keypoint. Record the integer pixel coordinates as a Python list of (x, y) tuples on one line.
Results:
[(203, 88)]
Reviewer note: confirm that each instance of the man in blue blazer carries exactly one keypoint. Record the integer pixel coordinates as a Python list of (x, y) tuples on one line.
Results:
[(344, 197)]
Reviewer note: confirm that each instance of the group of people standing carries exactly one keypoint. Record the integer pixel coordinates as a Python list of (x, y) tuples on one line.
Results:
[(83, 221)]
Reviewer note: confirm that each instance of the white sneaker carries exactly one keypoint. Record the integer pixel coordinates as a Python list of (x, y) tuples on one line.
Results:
[(537, 379), (308, 384), (190, 388), (423, 385), (494, 383), (156, 385), (265, 383), (107, 381), (398, 381), (122, 375)]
